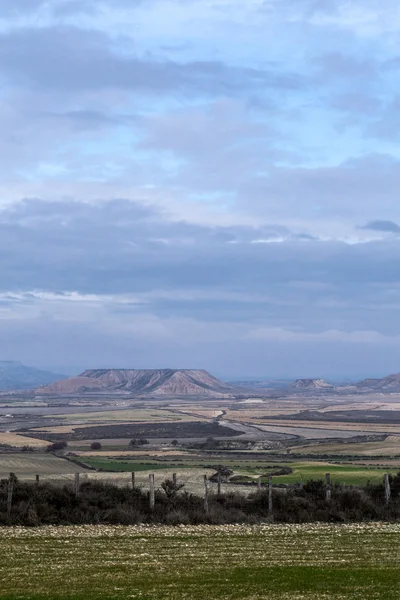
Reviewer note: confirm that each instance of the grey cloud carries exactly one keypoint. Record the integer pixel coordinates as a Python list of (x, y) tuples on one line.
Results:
[(356, 104), (89, 119), (386, 125), (122, 247), (67, 58), (323, 193), (337, 64), (158, 285), (69, 8), (17, 7), (305, 8), (386, 226)]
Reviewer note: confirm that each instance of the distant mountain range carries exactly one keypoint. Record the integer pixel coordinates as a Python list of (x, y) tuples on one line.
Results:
[(16, 376), (155, 382), (384, 385), (174, 382)]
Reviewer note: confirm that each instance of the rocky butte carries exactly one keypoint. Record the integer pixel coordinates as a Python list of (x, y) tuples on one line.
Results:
[(155, 382)]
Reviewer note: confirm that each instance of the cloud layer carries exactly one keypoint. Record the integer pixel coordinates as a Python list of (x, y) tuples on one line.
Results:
[(200, 184)]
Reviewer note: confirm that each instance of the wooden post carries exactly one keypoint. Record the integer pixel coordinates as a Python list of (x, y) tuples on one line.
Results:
[(174, 479), (10, 492), (76, 485), (259, 484), (151, 492), (37, 479), (387, 490), (270, 496), (206, 495), (328, 489), (133, 479), (219, 483)]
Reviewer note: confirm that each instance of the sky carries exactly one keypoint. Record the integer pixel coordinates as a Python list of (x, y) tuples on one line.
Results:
[(201, 184)]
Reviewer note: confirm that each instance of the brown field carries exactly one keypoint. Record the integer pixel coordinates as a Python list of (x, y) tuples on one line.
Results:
[(362, 406), (13, 439), (27, 465), (202, 413), (132, 416), (138, 454), (388, 447), (192, 478)]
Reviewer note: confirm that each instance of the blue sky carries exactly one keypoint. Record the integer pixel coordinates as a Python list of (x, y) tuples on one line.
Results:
[(193, 183)]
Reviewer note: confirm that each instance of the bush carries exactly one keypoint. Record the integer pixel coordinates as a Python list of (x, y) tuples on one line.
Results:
[(57, 446), (27, 449), (49, 504), (138, 442), (95, 446)]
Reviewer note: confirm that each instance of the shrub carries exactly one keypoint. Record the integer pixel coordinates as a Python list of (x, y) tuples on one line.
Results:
[(57, 446), (138, 442), (95, 446), (27, 449)]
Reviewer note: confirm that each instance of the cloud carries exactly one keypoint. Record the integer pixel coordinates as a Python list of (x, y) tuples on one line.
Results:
[(70, 58), (386, 226), (16, 7), (195, 175)]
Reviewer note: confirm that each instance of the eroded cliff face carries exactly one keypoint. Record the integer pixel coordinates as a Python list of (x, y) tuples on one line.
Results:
[(141, 381)]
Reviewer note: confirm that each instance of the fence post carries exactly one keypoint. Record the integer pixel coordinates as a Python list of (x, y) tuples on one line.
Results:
[(259, 484), (37, 479), (76, 485), (10, 492), (328, 489), (219, 483), (151, 492), (387, 490), (270, 495), (205, 494), (133, 479)]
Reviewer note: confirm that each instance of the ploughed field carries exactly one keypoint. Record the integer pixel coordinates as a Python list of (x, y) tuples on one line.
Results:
[(130, 430), (291, 562)]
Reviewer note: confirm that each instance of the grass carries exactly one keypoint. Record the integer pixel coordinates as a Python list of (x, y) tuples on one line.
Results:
[(121, 465), (344, 473), (311, 562), (302, 471)]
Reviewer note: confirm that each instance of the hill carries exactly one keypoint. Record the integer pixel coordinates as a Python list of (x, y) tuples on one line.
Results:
[(157, 382), (311, 385), (388, 384), (16, 376)]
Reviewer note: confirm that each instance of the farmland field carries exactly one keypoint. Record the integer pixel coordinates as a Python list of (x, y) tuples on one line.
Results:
[(187, 429), (132, 415), (24, 464), (289, 562), (349, 474)]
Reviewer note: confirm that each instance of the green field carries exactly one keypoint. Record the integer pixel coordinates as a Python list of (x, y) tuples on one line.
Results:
[(289, 562), (302, 471), (125, 465), (345, 473)]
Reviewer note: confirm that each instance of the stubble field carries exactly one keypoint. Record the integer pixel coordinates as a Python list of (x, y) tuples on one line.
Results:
[(290, 562)]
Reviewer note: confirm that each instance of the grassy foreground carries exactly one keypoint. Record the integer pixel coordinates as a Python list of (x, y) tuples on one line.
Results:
[(203, 562)]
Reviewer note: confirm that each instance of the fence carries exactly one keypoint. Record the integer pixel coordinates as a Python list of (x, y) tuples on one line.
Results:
[(206, 490)]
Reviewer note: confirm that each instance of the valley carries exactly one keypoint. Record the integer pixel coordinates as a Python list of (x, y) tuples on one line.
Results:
[(356, 437)]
